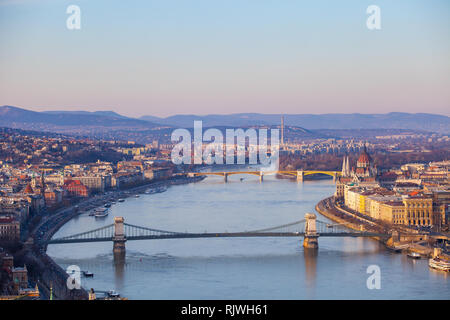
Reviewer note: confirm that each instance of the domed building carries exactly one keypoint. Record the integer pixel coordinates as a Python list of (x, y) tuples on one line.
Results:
[(365, 173), (364, 159), (364, 166)]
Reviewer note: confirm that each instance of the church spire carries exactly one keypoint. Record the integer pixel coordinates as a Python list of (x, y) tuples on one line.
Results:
[(344, 166), (347, 167)]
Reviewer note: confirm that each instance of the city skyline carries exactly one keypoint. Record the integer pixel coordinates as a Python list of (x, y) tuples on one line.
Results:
[(204, 151), (222, 58)]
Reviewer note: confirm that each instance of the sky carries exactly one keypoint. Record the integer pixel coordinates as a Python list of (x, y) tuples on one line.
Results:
[(166, 57)]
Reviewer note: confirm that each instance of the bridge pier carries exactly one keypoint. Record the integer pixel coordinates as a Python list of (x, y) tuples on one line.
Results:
[(225, 177), (311, 238), (119, 236), (261, 177), (300, 175)]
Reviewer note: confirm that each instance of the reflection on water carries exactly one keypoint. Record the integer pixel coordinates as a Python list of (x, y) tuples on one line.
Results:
[(119, 269), (310, 258), (240, 268)]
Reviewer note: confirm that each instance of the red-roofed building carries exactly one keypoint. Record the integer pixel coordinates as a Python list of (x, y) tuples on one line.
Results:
[(28, 189), (75, 188)]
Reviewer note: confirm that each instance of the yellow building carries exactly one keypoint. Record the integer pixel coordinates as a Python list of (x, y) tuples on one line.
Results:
[(418, 211), (392, 212)]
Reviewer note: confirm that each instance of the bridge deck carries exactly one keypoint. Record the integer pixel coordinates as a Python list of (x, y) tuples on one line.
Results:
[(220, 235)]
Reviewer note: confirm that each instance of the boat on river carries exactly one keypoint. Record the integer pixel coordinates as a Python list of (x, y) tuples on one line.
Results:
[(113, 294), (101, 212), (414, 255), (88, 274), (439, 264)]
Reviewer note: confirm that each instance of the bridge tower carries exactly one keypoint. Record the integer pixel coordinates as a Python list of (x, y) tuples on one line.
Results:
[(300, 175), (119, 236), (311, 236)]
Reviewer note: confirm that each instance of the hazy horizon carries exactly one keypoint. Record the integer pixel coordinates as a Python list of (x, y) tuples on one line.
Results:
[(212, 57), (86, 109)]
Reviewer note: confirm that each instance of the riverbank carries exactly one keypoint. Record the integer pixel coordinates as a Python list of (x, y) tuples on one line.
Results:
[(46, 273), (237, 267), (412, 242), (326, 208)]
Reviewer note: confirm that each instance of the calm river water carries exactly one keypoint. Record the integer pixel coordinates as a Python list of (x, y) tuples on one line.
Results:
[(241, 268)]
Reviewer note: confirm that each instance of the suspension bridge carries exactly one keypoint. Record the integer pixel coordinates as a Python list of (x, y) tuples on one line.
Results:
[(309, 228)]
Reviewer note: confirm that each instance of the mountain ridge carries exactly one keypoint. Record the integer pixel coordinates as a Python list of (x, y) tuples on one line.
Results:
[(394, 120), (11, 116)]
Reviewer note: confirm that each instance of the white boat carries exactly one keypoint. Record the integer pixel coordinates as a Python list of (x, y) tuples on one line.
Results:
[(414, 255), (101, 212), (113, 294), (121, 200), (439, 264)]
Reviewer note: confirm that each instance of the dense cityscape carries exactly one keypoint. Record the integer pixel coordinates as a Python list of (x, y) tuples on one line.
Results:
[(225, 159), (45, 179)]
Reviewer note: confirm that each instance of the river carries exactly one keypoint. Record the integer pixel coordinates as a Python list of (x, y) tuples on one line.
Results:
[(240, 268)]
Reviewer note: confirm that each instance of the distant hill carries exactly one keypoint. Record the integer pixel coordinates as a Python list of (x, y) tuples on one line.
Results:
[(63, 120), (232, 120), (97, 113), (110, 125), (393, 120)]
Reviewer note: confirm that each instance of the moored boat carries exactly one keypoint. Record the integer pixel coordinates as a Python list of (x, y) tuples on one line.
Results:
[(414, 255), (101, 212), (439, 264), (113, 294)]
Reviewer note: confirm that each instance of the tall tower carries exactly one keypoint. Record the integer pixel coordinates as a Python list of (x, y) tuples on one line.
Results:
[(42, 183), (282, 130), (43, 187)]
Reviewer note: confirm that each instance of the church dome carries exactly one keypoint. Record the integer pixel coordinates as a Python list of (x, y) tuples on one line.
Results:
[(364, 157)]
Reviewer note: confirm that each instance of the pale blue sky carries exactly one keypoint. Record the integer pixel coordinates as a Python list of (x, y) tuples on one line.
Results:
[(207, 56)]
